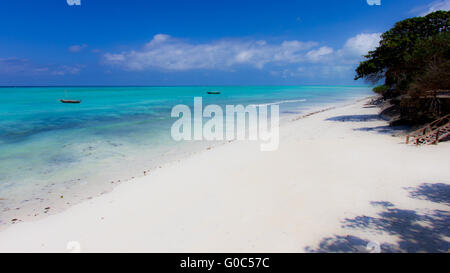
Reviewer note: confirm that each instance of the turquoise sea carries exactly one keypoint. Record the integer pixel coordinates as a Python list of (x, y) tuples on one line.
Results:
[(54, 154)]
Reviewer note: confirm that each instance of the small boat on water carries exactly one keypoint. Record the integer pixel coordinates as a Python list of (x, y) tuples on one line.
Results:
[(70, 101), (213, 92)]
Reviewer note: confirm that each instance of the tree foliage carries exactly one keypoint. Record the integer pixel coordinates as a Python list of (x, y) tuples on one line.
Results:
[(430, 63), (390, 59), (413, 58), (381, 89)]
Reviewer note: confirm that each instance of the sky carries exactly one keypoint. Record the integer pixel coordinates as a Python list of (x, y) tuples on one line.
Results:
[(179, 42)]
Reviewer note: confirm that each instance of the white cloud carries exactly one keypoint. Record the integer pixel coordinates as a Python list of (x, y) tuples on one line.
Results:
[(327, 62), (13, 65), (166, 52), (159, 38), (115, 57), (77, 48), (67, 70), (320, 54), (361, 44), (432, 7), (25, 67), (285, 59)]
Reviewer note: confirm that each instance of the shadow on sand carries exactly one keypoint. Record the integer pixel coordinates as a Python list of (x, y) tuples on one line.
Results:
[(416, 231), (437, 193), (385, 129), (355, 118)]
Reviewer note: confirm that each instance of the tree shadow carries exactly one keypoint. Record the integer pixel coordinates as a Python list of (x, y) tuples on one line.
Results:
[(355, 118), (346, 244), (370, 106), (384, 129), (437, 193), (416, 231)]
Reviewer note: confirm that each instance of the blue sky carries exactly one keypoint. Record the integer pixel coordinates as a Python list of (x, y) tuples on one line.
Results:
[(135, 42)]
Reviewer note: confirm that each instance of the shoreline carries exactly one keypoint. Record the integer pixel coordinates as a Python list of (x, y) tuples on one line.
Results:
[(274, 202), (44, 206)]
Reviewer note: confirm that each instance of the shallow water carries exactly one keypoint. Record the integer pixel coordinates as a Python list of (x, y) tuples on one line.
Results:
[(54, 154)]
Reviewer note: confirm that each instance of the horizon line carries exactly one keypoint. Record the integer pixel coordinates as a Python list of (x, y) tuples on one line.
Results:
[(187, 85)]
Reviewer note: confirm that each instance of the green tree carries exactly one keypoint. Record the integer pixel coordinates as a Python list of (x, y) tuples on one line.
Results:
[(430, 65), (391, 60)]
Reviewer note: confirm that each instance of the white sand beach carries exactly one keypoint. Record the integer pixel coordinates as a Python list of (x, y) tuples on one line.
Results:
[(338, 181)]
